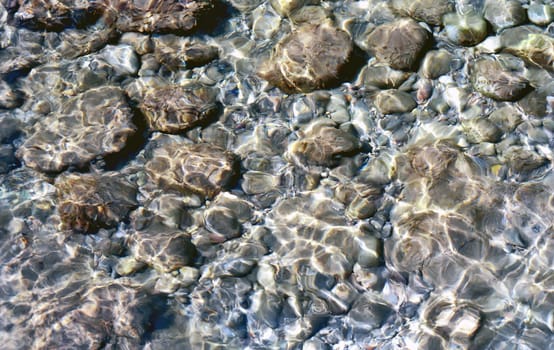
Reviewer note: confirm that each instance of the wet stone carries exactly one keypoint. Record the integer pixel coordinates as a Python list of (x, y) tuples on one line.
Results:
[(95, 123), (162, 248), (523, 160), (394, 101), (382, 77), (176, 52), (55, 14), (436, 63), (175, 108), (287, 7), (8, 160), (498, 77), (9, 98), (78, 42), (540, 14), (504, 13), (157, 16), (529, 43), (322, 144), (482, 130), (400, 44), (88, 202), (466, 30), (311, 57), (198, 168), (430, 11)]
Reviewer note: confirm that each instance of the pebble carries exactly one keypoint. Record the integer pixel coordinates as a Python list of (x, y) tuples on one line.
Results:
[(465, 30), (394, 101)]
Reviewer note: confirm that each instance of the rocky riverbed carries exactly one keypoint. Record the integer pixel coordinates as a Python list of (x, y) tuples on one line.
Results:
[(281, 174)]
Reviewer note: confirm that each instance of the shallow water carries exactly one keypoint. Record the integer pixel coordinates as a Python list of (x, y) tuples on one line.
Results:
[(167, 185)]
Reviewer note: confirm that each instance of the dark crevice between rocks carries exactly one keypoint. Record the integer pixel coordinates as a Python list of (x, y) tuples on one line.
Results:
[(213, 22)]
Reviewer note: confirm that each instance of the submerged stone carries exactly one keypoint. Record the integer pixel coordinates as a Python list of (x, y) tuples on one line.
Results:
[(466, 30), (400, 44), (55, 14), (529, 43), (162, 16), (498, 77), (382, 77), (93, 124), (89, 201), (199, 168), (430, 11), (394, 101), (175, 108), (322, 144), (540, 14), (160, 247), (311, 57), (503, 14), (436, 63), (176, 52)]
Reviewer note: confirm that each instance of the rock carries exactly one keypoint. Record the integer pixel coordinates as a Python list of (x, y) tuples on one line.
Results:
[(467, 30), (369, 312), (222, 223), (10, 128), (394, 101), (499, 77), (436, 63), (287, 7), (141, 43), (529, 43), (128, 265), (199, 168), (503, 14), (122, 58), (382, 77), (322, 144), (160, 247), (540, 14), (430, 11), (311, 57), (481, 130), (167, 16), (89, 201), (400, 44), (78, 42), (93, 124), (8, 97), (175, 108), (507, 118), (56, 14), (522, 160), (176, 52), (8, 161)]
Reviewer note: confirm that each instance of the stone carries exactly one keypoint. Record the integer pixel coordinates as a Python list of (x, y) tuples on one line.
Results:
[(162, 248), (436, 63), (88, 202), (287, 7), (430, 11), (540, 14), (93, 124), (481, 130), (400, 44), (313, 56), (467, 30), (529, 43), (176, 52), (322, 144), (166, 16), (9, 98), (503, 14), (499, 77), (78, 42), (394, 101), (55, 15), (175, 108), (382, 77), (199, 168)]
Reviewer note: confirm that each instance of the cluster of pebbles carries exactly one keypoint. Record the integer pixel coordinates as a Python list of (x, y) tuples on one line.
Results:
[(282, 174)]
